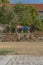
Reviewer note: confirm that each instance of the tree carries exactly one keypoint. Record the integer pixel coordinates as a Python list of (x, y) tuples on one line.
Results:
[(0, 1), (7, 16), (11, 18), (42, 19), (26, 18), (4, 11), (3, 14), (5, 1), (27, 15), (18, 9), (35, 18), (19, 14)]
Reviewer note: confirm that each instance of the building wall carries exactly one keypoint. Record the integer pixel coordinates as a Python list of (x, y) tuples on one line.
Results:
[(41, 14)]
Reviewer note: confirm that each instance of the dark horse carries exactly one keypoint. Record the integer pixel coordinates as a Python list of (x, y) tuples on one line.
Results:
[(32, 28)]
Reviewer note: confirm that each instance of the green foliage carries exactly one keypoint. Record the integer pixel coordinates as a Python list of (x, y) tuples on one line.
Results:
[(4, 1), (5, 51), (35, 19), (27, 15), (26, 18), (3, 15), (0, 1), (19, 14), (22, 13), (42, 18), (7, 15)]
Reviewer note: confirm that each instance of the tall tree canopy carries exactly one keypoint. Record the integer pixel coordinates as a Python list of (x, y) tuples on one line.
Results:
[(7, 16), (4, 1), (27, 15), (19, 14)]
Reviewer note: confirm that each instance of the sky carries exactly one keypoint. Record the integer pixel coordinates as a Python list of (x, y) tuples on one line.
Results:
[(27, 1)]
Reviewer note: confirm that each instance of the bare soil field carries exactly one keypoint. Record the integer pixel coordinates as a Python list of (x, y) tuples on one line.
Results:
[(23, 48)]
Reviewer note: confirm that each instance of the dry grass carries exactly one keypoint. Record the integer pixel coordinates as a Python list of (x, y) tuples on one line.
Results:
[(27, 48)]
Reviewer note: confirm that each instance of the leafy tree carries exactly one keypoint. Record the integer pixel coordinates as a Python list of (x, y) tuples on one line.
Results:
[(11, 21), (4, 11), (7, 16), (0, 1), (26, 18), (35, 18), (27, 15), (18, 9), (3, 14), (5, 1), (19, 14), (2, 18), (42, 19)]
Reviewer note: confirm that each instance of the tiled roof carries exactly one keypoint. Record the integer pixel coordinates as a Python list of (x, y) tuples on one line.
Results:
[(39, 7)]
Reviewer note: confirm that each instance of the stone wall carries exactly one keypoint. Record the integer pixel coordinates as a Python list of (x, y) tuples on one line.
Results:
[(12, 37)]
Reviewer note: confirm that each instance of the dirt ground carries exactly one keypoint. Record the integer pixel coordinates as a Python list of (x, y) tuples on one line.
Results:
[(23, 48)]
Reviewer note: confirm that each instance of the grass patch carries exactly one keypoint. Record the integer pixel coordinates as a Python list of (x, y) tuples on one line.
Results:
[(5, 51)]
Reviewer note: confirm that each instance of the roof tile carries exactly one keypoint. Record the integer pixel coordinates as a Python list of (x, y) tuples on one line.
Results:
[(39, 7)]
